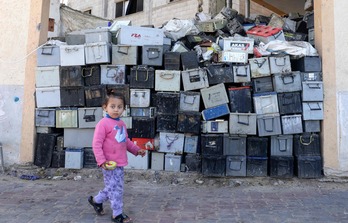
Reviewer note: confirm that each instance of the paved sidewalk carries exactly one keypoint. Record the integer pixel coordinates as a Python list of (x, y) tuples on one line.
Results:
[(179, 200)]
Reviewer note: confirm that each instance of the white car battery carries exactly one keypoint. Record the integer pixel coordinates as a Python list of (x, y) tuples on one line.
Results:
[(48, 55), (47, 76), (194, 79), (72, 55), (214, 95), (167, 80), (259, 67), (48, 97), (139, 98), (66, 118), (244, 44), (233, 56), (280, 64), (89, 117), (265, 103), (124, 54), (216, 126), (99, 52), (152, 55), (242, 124), (171, 142), (112, 74), (189, 101)]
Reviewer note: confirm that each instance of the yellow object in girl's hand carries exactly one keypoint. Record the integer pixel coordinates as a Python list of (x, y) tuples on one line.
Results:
[(110, 165)]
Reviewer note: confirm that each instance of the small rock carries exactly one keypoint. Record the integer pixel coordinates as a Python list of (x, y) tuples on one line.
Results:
[(198, 181), (77, 178)]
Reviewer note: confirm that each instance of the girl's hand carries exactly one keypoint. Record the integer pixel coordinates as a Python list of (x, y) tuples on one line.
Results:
[(142, 152)]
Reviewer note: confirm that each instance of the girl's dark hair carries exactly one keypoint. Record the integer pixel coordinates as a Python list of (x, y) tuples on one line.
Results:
[(112, 93)]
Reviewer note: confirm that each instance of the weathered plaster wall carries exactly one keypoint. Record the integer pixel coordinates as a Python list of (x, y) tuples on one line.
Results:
[(14, 19)]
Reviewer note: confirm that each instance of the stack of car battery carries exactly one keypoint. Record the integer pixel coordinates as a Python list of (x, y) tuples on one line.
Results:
[(205, 102)]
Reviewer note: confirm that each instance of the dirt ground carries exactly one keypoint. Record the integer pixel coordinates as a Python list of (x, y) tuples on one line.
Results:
[(189, 179)]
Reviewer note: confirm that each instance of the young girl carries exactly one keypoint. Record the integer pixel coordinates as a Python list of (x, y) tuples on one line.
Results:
[(110, 143)]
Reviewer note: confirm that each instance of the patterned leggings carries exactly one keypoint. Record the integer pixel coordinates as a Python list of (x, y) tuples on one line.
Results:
[(113, 190)]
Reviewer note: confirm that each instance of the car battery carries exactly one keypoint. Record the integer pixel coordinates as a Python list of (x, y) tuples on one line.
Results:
[(152, 55), (191, 144), (313, 110), (290, 103), (311, 36), (282, 145), (45, 117), (235, 145), (226, 13), (95, 95), (281, 166), (113, 74), (128, 121), (257, 166), (167, 80), (212, 144), (124, 54), (144, 143), (99, 52), (311, 126), (139, 36), (72, 96), (259, 67), (236, 166), (167, 102), (307, 64), (241, 73), (220, 73), (265, 103), (287, 82), (89, 117), (45, 144), (242, 124), (291, 124), (138, 162), (48, 97), (189, 122), (308, 167), (120, 88), (233, 56), (233, 27), (166, 122), (269, 124), (216, 126), (72, 55), (265, 34), (172, 61), (211, 25), (89, 160), (91, 75), (244, 44), (214, 95), (312, 91), (157, 161), (189, 101), (307, 144), (172, 162), (66, 118), (290, 36), (215, 112), (240, 99), (75, 38), (194, 79), (48, 55), (74, 158), (58, 159), (189, 60), (171, 142), (280, 64), (192, 40), (142, 76), (143, 127), (311, 76), (140, 98), (71, 76), (47, 76), (257, 146), (262, 84), (143, 112), (78, 138), (214, 165), (98, 35), (193, 162)]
